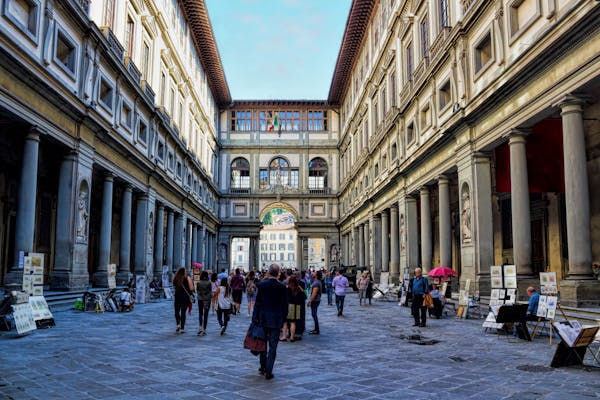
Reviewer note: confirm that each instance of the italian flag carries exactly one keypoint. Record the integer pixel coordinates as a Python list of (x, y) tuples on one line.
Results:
[(275, 124)]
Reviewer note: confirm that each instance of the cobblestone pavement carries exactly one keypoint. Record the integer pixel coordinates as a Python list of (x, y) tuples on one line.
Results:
[(363, 355)]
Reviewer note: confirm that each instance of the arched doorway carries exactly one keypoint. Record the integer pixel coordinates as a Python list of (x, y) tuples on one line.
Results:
[(279, 237)]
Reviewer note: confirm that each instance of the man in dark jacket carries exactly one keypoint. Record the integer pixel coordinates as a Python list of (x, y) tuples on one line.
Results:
[(270, 311)]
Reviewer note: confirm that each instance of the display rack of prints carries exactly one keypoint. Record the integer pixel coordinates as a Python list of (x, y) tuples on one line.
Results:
[(23, 315)]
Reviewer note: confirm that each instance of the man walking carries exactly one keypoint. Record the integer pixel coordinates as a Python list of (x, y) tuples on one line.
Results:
[(340, 283), (420, 287), (270, 311), (316, 288)]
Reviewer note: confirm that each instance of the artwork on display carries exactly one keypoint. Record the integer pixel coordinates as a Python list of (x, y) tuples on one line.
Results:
[(510, 270), (510, 282), (140, 289), (496, 271), (548, 283), (511, 296), (37, 259), (444, 288), (552, 303), (40, 308), (542, 307), (112, 276), (495, 294), (496, 283), (26, 265), (490, 322), (23, 315), (463, 298)]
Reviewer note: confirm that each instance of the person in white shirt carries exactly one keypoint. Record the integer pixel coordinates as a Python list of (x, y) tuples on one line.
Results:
[(339, 284), (125, 300)]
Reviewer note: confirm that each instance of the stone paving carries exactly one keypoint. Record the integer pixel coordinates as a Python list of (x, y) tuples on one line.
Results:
[(363, 355)]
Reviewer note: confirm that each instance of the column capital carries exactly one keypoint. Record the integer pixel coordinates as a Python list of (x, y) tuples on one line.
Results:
[(443, 180), (515, 136), (571, 102), (161, 206), (34, 133), (394, 207), (423, 190), (109, 177), (482, 156), (128, 187)]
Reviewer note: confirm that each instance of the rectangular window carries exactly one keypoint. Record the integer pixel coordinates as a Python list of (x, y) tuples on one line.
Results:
[(410, 133), (24, 14), (109, 13), (170, 161), (65, 52), (393, 88), (444, 18), (162, 88), (105, 94), (179, 170), (143, 132), (445, 96), (241, 120), (425, 37), (129, 32), (483, 52), (383, 101), (263, 179), (294, 178), (425, 117), (145, 60), (126, 115), (160, 151), (409, 62)]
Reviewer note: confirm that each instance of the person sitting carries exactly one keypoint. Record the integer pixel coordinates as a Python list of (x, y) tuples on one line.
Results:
[(534, 299), (438, 304), (155, 289), (126, 302)]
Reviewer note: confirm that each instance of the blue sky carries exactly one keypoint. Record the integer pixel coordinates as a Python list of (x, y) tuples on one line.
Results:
[(278, 49)]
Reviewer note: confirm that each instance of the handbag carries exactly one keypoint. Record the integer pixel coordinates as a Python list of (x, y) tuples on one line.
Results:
[(192, 299), (253, 343), (427, 300)]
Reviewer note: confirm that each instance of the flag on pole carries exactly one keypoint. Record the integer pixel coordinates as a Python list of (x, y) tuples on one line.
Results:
[(273, 124)]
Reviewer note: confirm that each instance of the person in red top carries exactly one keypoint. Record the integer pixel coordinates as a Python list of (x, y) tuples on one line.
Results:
[(238, 285)]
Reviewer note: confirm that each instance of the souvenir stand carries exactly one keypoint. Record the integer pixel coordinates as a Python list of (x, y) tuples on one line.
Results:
[(548, 303), (504, 293)]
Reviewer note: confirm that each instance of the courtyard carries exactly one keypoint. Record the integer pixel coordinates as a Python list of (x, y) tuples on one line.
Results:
[(364, 355)]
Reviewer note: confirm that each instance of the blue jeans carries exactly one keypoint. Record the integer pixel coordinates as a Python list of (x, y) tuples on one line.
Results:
[(339, 303), (329, 295), (267, 358), (314, 305)]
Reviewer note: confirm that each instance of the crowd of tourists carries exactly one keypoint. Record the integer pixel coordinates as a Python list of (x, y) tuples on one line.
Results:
[(277, 300)]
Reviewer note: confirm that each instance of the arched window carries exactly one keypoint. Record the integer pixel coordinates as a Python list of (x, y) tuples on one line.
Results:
[(279, 172), (317, 173), (240, 174)]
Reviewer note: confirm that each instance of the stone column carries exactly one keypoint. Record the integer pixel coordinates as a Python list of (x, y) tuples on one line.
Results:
[(65, 213), (376, 246), (178, 243), (385, 241), (141, 235), (124, 273), (159, 240), (202, 244), (445, 224), (426, 237), (371, 252), (170, 231), (394, 267), (195, 230), (188, 244), (361, 245), (519, 191), (101, 274), (578, 290), (411, 234), (299, 253), (356, 245), (252, 253), (25, 221)]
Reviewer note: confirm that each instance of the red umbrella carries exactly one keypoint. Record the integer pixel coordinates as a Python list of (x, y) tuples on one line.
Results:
[(442, 271)]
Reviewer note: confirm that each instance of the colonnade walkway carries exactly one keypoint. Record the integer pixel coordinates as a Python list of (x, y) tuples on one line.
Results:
[(363, 355)]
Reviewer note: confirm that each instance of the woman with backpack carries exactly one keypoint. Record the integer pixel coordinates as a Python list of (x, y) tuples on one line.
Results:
[(224, 304), (250, 291), (184, 288), (204, 290)]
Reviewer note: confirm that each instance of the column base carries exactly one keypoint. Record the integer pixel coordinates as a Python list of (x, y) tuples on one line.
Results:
[(100, 279), (580, 293), (122, 278), (67, 280), (14, 279)]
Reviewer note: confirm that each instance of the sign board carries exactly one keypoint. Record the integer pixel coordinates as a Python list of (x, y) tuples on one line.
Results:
[(23, 315), (490, 322)]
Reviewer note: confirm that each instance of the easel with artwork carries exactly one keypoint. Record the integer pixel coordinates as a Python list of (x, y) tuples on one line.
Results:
[(504, 292), (548, 303), (575, 340), (463, 300)]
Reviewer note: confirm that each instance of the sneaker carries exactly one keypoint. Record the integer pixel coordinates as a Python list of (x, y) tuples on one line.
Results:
[(222, 331), (269, 376), (178, 329), (200, 332), (313, 332), (261, 371), (203, 333)]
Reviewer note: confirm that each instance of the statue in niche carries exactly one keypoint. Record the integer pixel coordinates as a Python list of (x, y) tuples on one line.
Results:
[(150, 231), (334, 253), (402, 234), (82, 214), (466, 216), (222, 252)]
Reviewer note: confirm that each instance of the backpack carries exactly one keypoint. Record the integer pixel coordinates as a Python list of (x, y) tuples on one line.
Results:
[(251, 288)]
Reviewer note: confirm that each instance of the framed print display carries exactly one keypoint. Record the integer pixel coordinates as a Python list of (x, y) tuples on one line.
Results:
[(510, 270), (496, 283), (548, 283), (496, 271), (510, 282)]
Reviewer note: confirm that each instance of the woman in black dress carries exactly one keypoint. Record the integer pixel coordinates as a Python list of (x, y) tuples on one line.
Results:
[(296, 299), (183, 289)]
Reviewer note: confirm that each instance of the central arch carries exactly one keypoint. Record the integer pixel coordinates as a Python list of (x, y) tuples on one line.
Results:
[(278, 236)]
